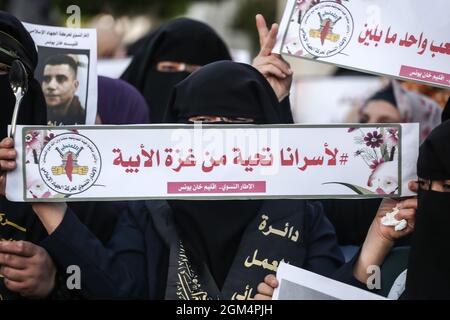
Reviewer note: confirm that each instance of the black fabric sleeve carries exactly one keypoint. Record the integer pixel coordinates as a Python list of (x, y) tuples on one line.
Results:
[(114, 271)]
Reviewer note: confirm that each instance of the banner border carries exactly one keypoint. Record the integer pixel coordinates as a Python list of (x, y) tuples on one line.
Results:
[(215, 126)]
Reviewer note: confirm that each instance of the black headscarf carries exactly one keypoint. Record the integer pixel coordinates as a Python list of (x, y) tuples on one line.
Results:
[(16, 40), (224, 89), (213, 229), (16, 43), (21, 46), (434, 155), (446, 112), (386, 94), (429, 261), (181, 40)]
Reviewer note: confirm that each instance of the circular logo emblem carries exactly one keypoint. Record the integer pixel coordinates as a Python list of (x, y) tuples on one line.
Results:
[(70, 163), (326, 29)]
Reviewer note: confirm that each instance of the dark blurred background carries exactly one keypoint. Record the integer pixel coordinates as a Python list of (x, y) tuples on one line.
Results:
[(53, 12), (120, 23)]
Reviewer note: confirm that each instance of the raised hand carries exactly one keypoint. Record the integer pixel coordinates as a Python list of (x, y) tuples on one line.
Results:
[(274, 68)]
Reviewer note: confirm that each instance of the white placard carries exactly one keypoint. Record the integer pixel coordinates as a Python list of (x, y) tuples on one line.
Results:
[(300, 284), (403, 38), (61, 89), (213, 162), (331, 99)]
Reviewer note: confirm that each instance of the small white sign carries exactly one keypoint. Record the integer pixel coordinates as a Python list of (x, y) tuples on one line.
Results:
[(299, 284)]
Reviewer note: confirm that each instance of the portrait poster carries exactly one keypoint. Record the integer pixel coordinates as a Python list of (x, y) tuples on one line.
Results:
[(67, 72)]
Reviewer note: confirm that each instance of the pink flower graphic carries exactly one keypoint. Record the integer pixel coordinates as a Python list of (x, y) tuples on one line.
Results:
[(374, 139), (393, 136), (376, 163)]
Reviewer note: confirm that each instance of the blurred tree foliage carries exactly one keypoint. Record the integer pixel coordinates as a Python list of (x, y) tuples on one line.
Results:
[(245, 18), (165, 9), (156, 9), (160, 9)]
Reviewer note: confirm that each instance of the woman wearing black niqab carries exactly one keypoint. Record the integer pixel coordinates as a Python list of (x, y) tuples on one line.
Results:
[(205, 244), (248, 99), (16, 44), (167, 56), (18, 221), (208, 247), (429, 261)]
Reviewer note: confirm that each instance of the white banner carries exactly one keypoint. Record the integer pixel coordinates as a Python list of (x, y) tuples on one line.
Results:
[(406, 39), (72, 91), (213, 162)]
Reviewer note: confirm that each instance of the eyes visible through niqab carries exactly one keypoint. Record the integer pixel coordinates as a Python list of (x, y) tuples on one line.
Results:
[(4, 69), (171, 66), (219, 119), (437, 185)]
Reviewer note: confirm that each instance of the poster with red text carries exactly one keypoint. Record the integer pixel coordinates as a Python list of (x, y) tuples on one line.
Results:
[(406, 39)]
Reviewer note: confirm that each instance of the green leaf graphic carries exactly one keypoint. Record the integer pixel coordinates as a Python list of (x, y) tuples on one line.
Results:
[(385, 153)]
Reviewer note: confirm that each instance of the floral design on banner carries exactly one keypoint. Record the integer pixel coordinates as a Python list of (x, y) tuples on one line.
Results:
[(379, 151)]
